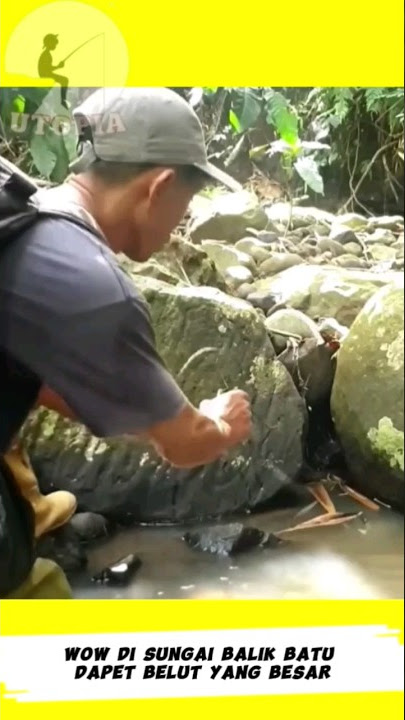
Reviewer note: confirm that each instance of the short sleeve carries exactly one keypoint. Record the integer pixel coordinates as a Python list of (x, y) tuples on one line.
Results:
[(117, 382), (81, 326)]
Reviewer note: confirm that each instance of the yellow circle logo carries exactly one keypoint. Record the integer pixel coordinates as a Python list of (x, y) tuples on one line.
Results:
[(68, 44)]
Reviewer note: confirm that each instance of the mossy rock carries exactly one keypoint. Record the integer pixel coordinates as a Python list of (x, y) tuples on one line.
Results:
[(227, 217), (325, 291), (226, 345), (368, 396)]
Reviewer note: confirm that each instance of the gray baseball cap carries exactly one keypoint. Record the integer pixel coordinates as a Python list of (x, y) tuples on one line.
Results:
[(145, 126)]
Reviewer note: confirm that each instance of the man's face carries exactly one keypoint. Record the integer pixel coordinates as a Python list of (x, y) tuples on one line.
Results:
[(162, 206)]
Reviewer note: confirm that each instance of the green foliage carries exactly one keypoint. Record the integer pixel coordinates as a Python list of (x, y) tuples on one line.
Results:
[(245, 108), (354, 133), (298, 136), (31, 120), (282, 116)]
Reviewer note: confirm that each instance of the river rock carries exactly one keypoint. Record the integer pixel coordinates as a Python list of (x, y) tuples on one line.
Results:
[(319, 260), (180, 262), (244, 290), (350, 261), (323, 291), (267, 236), (381, 253), (257, 249), (262, 300), (89, 526), (329, 245), (225, 256), (353, 248), (226, 217), (306, 250), (331, 330), (352, 221), (387, 222), (235, 275), (380, 237), (125, 480), (289, 320), (279, 262), (368, 396), (229, 539), (298, 216), (342, 235), (319, 229)]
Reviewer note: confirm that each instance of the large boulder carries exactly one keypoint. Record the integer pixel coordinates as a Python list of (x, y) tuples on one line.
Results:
[(226, 217), (225, 256), (323, 291), (180, 262), (298, 217), (224, 343), (368, 396)]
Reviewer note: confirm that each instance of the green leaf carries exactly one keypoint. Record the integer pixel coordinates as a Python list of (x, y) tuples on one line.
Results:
[(42, 155), (234, 121), (248, 107), (50, 154), (18, 104), (373, 98), (307, 169), (282, 117), (342, 100)]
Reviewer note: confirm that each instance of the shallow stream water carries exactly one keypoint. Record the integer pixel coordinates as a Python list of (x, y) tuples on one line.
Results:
[(360, 560)]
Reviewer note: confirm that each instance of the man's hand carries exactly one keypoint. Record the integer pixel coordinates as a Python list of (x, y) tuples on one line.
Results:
[(196, 436), (233, 409)]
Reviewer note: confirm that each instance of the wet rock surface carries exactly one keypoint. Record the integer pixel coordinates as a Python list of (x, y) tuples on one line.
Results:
[(230, 539), (90, 526)]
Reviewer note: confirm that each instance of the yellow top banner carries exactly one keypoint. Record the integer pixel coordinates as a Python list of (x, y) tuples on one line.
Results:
[(112, 44)]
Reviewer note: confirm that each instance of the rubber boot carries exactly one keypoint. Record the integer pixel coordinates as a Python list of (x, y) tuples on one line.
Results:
[(51, 511)]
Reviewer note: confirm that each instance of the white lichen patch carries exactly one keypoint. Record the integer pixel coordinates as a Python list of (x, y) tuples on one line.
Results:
[(388, 443), (395, 352)]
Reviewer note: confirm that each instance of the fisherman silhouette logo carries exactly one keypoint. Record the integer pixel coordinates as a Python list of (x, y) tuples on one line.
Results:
[(47, 70), (96, 59)]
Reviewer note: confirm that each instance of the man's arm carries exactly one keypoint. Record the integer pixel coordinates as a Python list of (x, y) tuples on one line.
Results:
[(88, 336), (190, 439)]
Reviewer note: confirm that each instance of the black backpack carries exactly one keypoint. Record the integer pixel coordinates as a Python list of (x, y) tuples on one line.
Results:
[(19, 387)]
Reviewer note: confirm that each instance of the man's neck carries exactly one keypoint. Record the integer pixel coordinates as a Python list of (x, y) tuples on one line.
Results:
[(70, 198)]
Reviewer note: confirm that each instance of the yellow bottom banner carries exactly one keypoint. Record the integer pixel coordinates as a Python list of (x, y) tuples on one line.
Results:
[(192, 658)]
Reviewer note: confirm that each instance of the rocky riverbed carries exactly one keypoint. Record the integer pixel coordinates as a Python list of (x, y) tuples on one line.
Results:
[(301, 308)]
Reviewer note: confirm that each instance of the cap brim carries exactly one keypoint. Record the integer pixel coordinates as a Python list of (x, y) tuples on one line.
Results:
[(220, 176)]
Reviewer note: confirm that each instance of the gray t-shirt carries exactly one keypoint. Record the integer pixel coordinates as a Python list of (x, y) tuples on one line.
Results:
[(72, 316)]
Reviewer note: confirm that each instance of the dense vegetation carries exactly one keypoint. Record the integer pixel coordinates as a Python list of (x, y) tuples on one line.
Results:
[(338, 147)]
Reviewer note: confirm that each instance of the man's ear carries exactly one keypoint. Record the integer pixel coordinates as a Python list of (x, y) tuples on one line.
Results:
[(160, 183)]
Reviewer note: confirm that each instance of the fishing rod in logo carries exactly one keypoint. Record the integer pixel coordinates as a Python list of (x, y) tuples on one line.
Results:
[(79, 47), (46, 69)]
